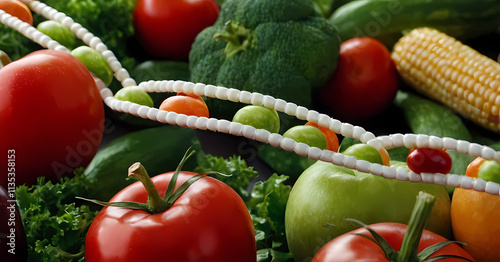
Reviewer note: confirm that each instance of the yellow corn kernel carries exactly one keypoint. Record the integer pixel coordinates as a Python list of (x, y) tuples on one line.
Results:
[(446, 70)]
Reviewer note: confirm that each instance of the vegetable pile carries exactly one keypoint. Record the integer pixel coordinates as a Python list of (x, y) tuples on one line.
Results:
[(394, 67)]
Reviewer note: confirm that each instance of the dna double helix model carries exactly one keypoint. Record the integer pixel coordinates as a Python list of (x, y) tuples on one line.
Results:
[(260, 135)]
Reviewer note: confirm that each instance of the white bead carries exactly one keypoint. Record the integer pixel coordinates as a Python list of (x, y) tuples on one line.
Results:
[(223, 125), (357, 132), (178, 86), (326, 155), (452, 180), (268, 101), (350, 162), (233, 95), (449, 143), (280, 105), (312, 116), (87, 37), (440, 179), (435, 142), (301, 113), (378, 170), (492, 188), (301, 149), (363, 166), (257, 99), (246, 97), (248, 131), (335, 126), (52, 44), (414, 177), (181, 120), (152, 114), (290, 109), (479, 185), (409, 140), (314, 153), (212, 124), (210, 90), (81, 32), (466, 182), (337, 159), (235, 128), (347, 130), (422, 141), (191, 121), (487, 152), (143, 111), (67, 21), (100, 47), (262, 135), (94, 42), (287, 143), (202, 123), (463, 146), (121, 74), (275, 139)]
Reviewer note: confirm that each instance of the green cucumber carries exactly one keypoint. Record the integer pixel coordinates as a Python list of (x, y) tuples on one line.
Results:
[(429, 118), (387, 20), (159, 149)]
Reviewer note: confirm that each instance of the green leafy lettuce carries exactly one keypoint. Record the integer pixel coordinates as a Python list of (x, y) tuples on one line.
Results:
[(54, 223)]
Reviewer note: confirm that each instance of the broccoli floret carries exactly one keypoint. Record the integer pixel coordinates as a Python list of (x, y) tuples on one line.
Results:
[(281, 48)]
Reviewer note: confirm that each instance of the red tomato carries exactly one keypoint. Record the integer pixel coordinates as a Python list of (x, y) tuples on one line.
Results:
[(166, 29), (18, 9), (350, 247), (429, 160), (208, 222), (52, 117), (364, 83)]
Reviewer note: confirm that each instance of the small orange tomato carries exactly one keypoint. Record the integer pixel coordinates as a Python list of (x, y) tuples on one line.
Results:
[(474, 217), (187, 104), (18, 9), (332, 141)]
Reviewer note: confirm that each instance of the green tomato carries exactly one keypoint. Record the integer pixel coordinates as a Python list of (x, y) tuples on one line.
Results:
[(135, 95), (489, 171), (57, 32), (260, 117), (364, 152), (309, 135), (326, 194), (95, 62)]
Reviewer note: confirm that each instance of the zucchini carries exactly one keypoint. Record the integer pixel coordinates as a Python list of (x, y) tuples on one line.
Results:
[(387, 20), (159, 149)]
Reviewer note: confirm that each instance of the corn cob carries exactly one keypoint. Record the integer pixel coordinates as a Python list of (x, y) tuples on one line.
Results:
[(446, 70)]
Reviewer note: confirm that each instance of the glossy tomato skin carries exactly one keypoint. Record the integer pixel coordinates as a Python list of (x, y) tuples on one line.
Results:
[(364, 83), (209, 222), (52, 117), (166, 29), (18, 9), (429, 160), (349, 247)]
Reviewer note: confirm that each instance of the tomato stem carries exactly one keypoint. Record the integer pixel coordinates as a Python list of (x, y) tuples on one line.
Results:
[(420, 216), (155, 202)]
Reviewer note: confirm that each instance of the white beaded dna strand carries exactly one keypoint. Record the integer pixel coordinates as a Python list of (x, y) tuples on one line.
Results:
[(264, 136)]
